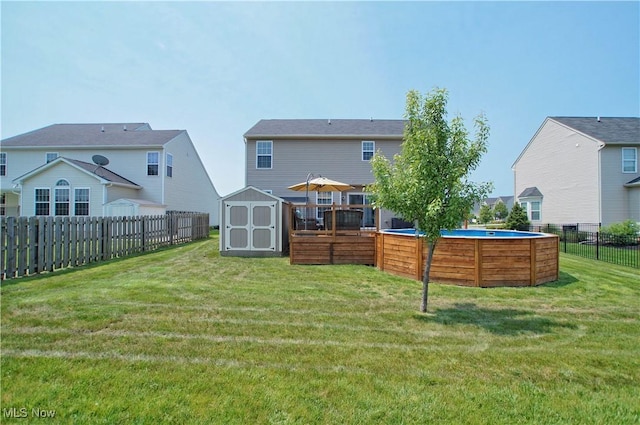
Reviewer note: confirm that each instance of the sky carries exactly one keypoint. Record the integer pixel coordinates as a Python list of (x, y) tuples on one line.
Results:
[(217, 68)]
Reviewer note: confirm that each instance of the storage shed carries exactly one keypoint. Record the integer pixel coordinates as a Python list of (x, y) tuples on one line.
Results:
[(125, 207), (254, 223)]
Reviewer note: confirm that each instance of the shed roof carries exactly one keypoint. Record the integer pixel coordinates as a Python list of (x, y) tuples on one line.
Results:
[(78, 135), (340, 128), (611, 130)]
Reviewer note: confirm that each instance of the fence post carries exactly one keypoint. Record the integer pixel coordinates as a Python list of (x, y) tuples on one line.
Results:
[(597, 245)]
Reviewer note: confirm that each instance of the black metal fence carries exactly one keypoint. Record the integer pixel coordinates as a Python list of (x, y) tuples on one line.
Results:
[(589, 241)]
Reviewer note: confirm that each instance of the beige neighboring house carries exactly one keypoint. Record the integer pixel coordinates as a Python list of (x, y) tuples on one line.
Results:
[(282, 152), (581, 170), (102, 170)]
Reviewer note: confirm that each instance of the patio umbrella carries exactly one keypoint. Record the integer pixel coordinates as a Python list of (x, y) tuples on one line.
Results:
[(319, 184)]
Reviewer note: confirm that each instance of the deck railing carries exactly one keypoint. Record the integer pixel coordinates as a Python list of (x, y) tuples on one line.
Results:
[(319, 219)]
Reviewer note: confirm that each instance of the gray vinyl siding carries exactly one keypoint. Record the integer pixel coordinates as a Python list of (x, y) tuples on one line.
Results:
[(293, 160), (617, 201), (563, 165)]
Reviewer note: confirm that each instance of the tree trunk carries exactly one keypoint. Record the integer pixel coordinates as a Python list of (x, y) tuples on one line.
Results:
[(425, 276)]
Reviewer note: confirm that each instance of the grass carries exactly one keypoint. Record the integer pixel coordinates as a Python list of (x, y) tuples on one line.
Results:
[(185, 336)]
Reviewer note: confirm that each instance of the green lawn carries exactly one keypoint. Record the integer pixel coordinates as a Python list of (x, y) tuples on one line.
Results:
[(183, 335)]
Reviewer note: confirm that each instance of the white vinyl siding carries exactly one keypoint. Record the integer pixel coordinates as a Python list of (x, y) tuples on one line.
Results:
[(629, 160), (563, 165), (264, 154), (368, 148)]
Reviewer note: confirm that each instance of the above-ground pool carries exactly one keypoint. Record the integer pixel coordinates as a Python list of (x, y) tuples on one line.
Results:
[(472, 257)]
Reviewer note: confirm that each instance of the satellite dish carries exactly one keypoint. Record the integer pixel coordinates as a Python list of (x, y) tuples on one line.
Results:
[(100, 160)]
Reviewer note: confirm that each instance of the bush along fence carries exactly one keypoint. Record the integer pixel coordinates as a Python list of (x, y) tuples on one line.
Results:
[(32, 245), (593, 241)]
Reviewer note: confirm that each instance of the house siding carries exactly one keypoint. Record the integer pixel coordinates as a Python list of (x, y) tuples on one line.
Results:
[(563, 165), (48, 179), (190, 188), (617, 201), (293, 160)]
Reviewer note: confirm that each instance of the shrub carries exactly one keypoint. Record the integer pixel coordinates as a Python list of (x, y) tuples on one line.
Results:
[(621, 234), (517, 219)]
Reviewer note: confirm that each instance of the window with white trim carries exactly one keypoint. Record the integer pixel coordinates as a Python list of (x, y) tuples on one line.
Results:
[(323, 198), (81, 201), (61, 197), (534, 210), (169, 165), (42, 197), (629, 160), (368, 148), (3, 163), (264, 154), (153, 163), (3, 204), (50, 156)]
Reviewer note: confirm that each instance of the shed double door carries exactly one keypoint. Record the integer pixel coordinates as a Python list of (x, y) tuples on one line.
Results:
[(251, 226)]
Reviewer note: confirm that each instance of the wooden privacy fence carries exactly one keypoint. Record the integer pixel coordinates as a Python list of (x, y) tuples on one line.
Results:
[(31, 245)]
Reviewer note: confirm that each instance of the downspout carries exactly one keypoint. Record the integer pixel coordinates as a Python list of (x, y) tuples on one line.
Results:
[(600, 147)]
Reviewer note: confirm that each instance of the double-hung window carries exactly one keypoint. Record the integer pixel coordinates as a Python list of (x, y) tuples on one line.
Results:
[(534, 210), (81, 201), (42, 201), (629, 160), (153, 162), (264, 154), (169, 165), (61, 197), (3, 204), (3, 163), (368, 147), (323, 198)]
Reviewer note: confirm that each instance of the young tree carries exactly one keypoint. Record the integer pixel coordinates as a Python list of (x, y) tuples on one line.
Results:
[(427, 183), (500, 210), (517, 219), (486, 215)]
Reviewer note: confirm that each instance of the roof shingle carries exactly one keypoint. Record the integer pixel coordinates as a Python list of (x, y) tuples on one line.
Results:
[(326, 128), (72, 135), (611, 130)]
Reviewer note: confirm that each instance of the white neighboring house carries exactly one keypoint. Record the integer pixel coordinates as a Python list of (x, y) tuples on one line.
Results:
[(56, 171), (581, 170)]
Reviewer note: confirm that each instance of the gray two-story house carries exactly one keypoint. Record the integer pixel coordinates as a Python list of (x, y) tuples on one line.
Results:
[(284, 152), (581, 170)]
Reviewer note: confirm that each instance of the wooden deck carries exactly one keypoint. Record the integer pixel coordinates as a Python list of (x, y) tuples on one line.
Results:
[(345, 243), (354, 248)]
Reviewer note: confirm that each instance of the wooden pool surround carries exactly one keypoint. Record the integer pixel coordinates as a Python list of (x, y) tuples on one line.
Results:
[(465, 261)]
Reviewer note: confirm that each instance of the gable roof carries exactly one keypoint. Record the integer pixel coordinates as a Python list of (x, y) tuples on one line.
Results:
[(318, 128), (79, 135), (103, 174), (530, 192), (610, 130)]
